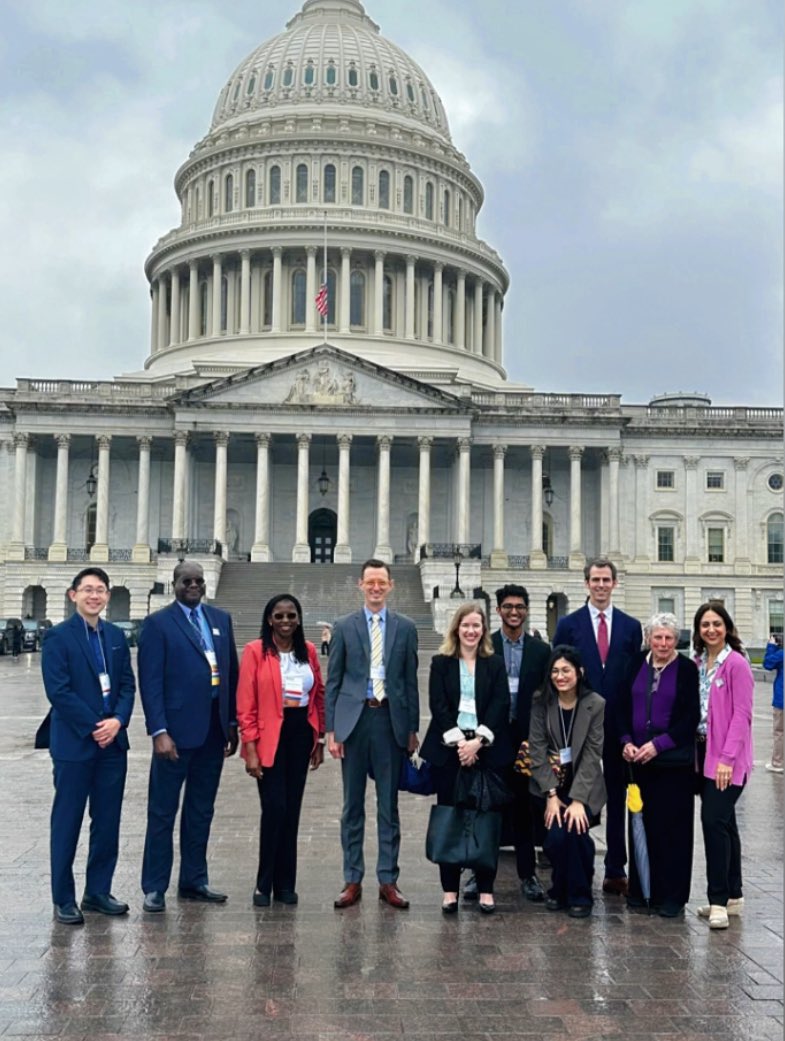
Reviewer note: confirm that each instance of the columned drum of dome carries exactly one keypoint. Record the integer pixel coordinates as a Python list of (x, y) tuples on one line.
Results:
[(328, 126)]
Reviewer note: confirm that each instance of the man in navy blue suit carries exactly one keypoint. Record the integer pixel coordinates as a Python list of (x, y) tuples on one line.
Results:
[(188, 684), (606, 638), (89, 682)]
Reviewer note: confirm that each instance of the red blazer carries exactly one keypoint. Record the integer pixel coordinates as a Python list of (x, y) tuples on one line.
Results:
[(260, 700)]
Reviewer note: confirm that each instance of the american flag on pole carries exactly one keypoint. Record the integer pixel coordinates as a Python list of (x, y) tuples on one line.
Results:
[(321, 300)]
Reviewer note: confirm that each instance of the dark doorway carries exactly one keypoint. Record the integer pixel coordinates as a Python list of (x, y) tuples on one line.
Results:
[(322, 530), (557, 607)]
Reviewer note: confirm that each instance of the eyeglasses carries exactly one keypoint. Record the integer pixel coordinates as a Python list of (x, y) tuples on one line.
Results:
[(289, 616), (191, 581), (93, 590), (563, 672), (513, 607)]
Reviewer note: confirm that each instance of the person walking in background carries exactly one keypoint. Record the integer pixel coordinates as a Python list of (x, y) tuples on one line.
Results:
[(372, 715), (90, 685), (606, 639), (188, 683), (327, 632), (724, 754), (280, 712), (772, 661)]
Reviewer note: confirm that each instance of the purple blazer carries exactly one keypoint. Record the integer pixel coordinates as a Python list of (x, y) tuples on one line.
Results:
[(729, 729)]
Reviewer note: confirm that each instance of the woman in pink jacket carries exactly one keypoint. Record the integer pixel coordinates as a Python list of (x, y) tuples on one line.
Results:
[(724, 754), (280, 712)]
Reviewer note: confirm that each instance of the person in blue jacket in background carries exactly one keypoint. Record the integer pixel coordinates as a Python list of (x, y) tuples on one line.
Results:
[(772, 661)]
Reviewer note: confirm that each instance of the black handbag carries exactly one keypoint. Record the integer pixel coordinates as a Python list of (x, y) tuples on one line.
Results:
[(481, 788), (467, 838)]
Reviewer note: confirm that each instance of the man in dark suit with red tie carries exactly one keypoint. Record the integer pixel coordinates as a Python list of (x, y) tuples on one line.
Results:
[(188, 684), (606, 639)]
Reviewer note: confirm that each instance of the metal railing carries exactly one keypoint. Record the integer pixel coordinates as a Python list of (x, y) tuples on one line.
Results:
[(448, 551), (188, 547)]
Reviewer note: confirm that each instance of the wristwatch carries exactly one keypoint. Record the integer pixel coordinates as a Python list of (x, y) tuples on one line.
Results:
[(552, 791)]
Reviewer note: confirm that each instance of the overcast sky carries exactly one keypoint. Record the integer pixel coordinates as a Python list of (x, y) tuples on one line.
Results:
[(631, 153)]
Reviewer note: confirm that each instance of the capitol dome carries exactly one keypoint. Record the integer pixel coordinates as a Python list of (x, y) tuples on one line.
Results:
[(328, 139)]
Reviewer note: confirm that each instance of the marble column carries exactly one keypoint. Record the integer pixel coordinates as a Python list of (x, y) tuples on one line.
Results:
[(245, 292), (301, 552), (614, 461), (424, 495), (464, 490), (260, 551), (641, 507), (193, 300), (178, 492), (489, 348), (424, 286), (499, 557), (460, 311), (219, 499), (408, 319), (497, 325), (537, 558), (378, 293), (692, 561), (383, 550), (742, 555), (174, 320), (140, 553), (217, 283), (275, 326), (344, 311), (154, 291), (231, 301), (577, 558), (343, 551), (58, 550), (16, 548), (163, 337), (438, 301), (100, 549), (477, 339), (310, 290)]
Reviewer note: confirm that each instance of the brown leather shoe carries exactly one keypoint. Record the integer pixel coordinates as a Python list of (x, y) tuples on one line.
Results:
[(391, 894), (615, 885), (350, 894)]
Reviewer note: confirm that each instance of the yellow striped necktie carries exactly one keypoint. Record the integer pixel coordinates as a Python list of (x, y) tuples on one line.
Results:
[(377, 657)]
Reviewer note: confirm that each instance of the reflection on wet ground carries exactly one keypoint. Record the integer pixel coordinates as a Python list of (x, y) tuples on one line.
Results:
[(369, 973)]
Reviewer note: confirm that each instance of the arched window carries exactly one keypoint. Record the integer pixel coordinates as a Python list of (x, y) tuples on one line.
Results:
[(251, 86), (447, 204), (460, 213), (373, 79), (449, 312), (358, 186), (357, 298), (288, 75), (775, 539), (250, 188), (267, 293), (210, 198), (301, 183), (309, 74), (197, 203), (228, 193), (429, 201), (331, 74), (353, 77), (410, 92), (384, 190), (393, 84), (387, 304), (329, 183), (203, 308), (298, 297), (224, 302), (424, 96), (269, 77), (408, 194), (275, 186)]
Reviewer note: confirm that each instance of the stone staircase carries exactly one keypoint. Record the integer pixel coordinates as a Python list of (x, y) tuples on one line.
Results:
[(325, 591)]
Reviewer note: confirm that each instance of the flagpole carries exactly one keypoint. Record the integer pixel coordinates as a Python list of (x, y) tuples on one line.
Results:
[(324, 280)]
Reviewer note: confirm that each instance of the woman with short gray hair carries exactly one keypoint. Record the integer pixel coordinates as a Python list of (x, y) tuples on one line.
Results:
[(658, 714)]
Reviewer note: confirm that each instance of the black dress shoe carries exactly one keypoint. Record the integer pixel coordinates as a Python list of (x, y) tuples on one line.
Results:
[(532, 889), (203, 894), (487, 908), (261, 899), (103, 903), (470, 891), (154, 903), (286, 896), (552, 904), (68, 914), (579, 911), (450, 907)]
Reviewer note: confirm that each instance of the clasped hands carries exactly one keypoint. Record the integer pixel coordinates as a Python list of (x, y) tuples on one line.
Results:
[(468, 751), (106, 731), (643, 754)]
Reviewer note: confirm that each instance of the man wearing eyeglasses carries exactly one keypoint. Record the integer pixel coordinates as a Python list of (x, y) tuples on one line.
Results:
[(89, 682), (188, 683)]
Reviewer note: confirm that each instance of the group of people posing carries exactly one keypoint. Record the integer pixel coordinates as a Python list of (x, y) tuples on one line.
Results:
[(558, 734)]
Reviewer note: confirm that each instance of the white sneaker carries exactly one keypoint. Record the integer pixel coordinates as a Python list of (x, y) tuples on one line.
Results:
[(773, 769), (734, 908), (718, 917)]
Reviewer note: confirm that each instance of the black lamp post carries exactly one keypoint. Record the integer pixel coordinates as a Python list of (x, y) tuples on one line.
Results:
[(457, 558)]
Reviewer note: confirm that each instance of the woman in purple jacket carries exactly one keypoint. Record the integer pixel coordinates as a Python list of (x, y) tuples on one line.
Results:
[(724, 754)]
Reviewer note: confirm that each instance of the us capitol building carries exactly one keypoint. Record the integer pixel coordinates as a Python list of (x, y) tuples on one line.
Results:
[(255, 433)]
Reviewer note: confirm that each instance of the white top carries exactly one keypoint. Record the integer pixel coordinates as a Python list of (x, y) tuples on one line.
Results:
[(296, 678)]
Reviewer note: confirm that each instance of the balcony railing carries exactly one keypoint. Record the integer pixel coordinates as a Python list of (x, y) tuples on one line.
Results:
[(189, 547), (448, 550), (36, 553)]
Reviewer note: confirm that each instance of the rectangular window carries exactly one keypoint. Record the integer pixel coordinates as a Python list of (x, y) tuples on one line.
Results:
[(776, 618), (715, 539), (666, 604), (715, 480), (665, 544), (666, 479)]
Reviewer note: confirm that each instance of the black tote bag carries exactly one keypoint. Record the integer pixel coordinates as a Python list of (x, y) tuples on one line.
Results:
[(469, 838)]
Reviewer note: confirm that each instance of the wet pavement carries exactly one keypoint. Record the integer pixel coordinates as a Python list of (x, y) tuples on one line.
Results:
[(369, 973)]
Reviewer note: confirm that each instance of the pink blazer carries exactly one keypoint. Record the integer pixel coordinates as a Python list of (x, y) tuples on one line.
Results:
[(729, 729), (260, 700)]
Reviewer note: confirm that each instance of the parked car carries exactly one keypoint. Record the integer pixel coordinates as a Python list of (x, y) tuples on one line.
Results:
[(685, 642), (131, 630), (30, 635), (6, 634)]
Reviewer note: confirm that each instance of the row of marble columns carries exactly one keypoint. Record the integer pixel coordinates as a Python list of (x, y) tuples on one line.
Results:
[(173, 323)]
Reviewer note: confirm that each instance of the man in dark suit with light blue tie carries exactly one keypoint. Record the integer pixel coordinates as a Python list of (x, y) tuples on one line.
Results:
[(372, 717), (89, 682), (188, 683), (606, 639)]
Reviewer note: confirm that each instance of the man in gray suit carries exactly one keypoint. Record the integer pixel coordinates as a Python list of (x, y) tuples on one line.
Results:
[(372, 717)]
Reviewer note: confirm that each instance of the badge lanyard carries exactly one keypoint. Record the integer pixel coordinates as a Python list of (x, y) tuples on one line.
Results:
[(565, 752), (103, 677)]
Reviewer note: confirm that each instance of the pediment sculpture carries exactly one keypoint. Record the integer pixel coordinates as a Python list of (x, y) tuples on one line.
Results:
[(327, 386)]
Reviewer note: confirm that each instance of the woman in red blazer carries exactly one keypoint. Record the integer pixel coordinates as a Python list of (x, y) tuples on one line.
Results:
[(280, 712)]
